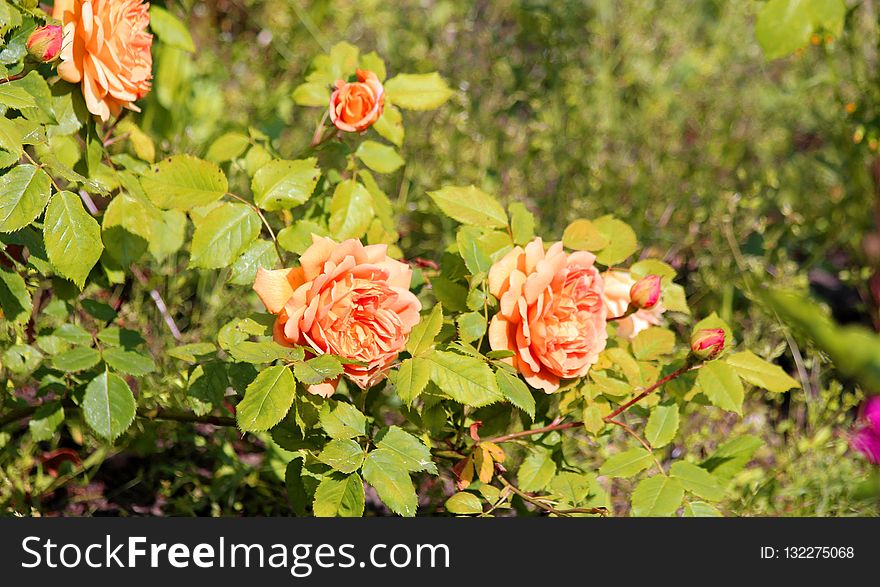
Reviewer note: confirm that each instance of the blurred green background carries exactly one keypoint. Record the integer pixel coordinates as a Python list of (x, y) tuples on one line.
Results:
[(665, 114)]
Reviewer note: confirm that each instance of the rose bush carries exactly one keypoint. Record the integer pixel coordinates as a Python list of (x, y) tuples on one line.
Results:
[(487, 375)]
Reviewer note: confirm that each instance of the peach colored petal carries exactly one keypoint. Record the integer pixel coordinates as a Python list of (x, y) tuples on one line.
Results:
[(274, 287), (552, 314), (501, 270), (352, 301), (326, 389)]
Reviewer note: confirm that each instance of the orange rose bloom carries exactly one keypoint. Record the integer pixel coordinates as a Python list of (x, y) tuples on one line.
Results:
[(106, 49), (355, 106), (617, 298), (552, 315), (344, 299)]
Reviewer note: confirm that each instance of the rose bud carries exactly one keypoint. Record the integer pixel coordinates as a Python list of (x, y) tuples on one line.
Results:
[(706, 344), (645, 293), (355, 106), (44, 44)]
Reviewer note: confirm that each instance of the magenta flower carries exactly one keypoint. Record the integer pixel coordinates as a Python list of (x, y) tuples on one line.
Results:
[(866, 438)]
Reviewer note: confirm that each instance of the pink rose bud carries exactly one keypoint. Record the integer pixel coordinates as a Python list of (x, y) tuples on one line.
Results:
[(706, 344), (645, 293), (44, 44)]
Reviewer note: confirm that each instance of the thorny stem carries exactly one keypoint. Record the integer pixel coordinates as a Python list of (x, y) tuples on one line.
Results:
[(11, 78), (147, 414), (609, 418), (628, 429), (547, 507)]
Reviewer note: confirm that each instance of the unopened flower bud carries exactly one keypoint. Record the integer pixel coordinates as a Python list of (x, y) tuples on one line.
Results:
[(706, 344), (44, 44), (645, 293)]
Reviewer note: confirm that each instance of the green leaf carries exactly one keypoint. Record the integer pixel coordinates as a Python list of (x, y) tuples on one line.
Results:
[(46, 421), (227, 147), (191, 352), (127, 228), (372, 62), (701, 509), (14, 96), (261, 253), (653, 343), (828, 15), (571, 487), (351, 210), (674, 299), (384, 470), (783, 26), (421, 338), (516, 391), (346, 456), (117, 337), (762, 373), (223, 235), (389, 125), (25, 189), (170, 29), (627, 463), (317, 370), (471, 326), (72, 236), (99, 310), (283, 184), (378, 157), (536, 471), (167, 232), (413, 454), (467, 380), (662, 425), (73, 334), (583, 235), (721, 385), (657, 496), (412, 377), (298, 237), (477, 252), (417, 91), (128, 362), (296, 489), (464, 503), (732, 456), (622, 240), (108, 405), (311, 94), (184, 182), (522, 223), (337, 497), (76, 359), (450, 294), (697, 480), (10, 136), (267, 399), (470, 205), (15, 301), (342, 421)]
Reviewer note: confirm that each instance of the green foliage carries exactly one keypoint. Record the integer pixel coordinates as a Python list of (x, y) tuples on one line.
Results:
[(108, 405), (609, 145), (267, 399)]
